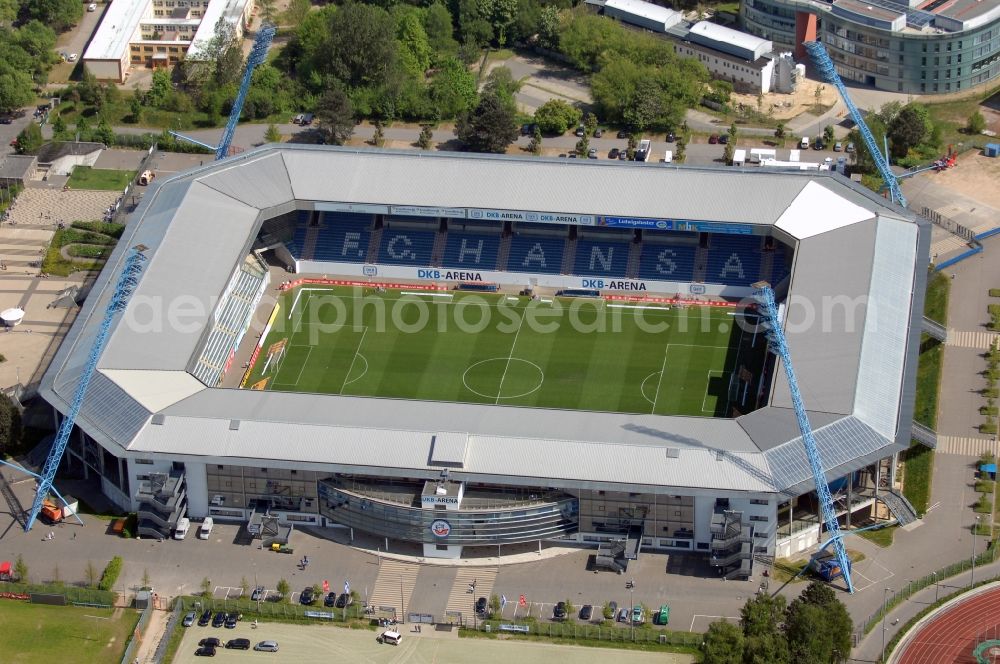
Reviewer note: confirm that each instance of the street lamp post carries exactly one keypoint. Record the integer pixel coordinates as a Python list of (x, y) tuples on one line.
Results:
[(975, 530), (885, 603), (936, 587), (630, 585)]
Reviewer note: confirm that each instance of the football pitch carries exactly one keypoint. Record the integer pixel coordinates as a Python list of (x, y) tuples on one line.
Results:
[(567, 353)]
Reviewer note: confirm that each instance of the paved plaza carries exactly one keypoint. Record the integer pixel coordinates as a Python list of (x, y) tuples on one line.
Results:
[(46, 207)]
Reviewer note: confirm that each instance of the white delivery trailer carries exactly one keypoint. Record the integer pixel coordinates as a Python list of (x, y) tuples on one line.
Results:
[(758, 155), (642, 153), (739, 157)]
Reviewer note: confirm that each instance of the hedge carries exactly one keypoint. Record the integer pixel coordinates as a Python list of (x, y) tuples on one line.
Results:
[(110, 574)]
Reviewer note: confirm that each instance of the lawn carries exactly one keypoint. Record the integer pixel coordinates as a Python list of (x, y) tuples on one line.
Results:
[(952, 116), (582, 354), (918, 463), (104, 179), (35, 633), (90, 240), (882, 536)]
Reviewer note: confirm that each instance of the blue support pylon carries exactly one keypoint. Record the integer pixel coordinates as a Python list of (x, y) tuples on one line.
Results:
[(260, 45), (776, 335), (127, 282), (826, 67)]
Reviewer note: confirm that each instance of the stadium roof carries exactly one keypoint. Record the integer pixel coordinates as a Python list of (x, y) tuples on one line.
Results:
[(855, 292)]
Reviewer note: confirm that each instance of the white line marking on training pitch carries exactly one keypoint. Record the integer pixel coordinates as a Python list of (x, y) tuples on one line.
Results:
[(354, 359), (510, 356)]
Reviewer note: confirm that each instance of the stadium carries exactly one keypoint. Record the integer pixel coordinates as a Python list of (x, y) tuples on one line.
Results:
[(452, 350)]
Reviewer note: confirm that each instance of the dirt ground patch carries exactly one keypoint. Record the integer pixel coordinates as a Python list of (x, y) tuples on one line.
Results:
[(326, 643), (975, 176), (786, 107)]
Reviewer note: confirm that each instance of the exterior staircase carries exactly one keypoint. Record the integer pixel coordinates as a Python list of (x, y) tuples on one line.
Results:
[(503, 253), (634, 254), (700, 264), (899, 506), (373, 245), (569, 256), (309, 243), (437, 251)]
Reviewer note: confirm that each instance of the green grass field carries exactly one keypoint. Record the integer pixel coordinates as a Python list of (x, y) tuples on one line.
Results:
[(496, 349), (85, 177), (35, 633)]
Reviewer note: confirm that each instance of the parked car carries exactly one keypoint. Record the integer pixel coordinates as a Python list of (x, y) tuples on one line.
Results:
[(559, 611), (527, 130), (188, 619), (231, 620), (850, 147), (638, 617), (206, 618), (613, 608), (670, 137), (344, 601), (72, 57), (298, 118), (258, 594), (586, 612), (592, 153), (613, 153), (838, 146), (623, 155), (598, 132), (267, 646), (581, 131), (713, 139), (92, 7), (238, 644), (306, 597), (723, 139), (330, 599), (622, 133), (818, 145), (219, 620), (211, 642), (391, 637), (481, 606), (204, 651), (623, 615)]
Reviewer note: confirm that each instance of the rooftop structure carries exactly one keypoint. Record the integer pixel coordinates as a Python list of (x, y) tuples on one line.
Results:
[(729, 41)]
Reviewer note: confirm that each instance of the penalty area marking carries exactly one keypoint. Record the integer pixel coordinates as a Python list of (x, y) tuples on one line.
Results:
[(426, 294), (708, 382), (663, 370), (642, 386), (354, 359), (364, 359)]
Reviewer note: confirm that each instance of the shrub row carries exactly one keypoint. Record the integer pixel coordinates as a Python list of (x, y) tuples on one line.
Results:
[(110, 574)]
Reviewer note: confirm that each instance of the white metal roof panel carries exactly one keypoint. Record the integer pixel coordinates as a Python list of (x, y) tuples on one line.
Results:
[(724, 35), (647, 10), (119, 23), (155, 390), (263, 183), (818, 210)]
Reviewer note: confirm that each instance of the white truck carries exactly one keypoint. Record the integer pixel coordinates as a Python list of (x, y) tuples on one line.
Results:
[(642, 153)]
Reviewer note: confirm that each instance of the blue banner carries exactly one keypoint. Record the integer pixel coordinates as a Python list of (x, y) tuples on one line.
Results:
[(676, 225)]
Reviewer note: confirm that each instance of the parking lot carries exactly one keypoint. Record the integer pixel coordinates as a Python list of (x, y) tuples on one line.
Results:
[(325, 643)]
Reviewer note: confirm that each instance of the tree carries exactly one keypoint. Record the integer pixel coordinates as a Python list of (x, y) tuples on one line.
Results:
[(296, 13), (556, 116), (30, 139), (494, 604), (206, 587), (105, 134), (589, 124), (633, 143), (501, 83), (818, 627), (535, 145), (828, 134), (16, 88), (728, 152), (146, 581), (283, 589), (908, 129), (362, 48), (733, 134), (763, 642), (10, 418), (490, 127), (335, 115), (679, 154), (135, 109), (83, 127), (244, 585), (440, 32), (723, 644), (976, 123), (160, 90), (548, 27), (414, 45), (378, 140), (583, 146), (21, 570), (779, 131), (272, 135), (91, 574), (424, 140), (60, 15), (453, 89)]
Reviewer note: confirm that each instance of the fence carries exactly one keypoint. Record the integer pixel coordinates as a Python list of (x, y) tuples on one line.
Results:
[(73, 594), (988, 556), (137, 635), (168, 632), (602, 632)]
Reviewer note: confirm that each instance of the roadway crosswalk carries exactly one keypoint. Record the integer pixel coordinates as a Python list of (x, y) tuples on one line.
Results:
[(460, 599), (972, 339), (966, 445), (947, 245), (394, 585)]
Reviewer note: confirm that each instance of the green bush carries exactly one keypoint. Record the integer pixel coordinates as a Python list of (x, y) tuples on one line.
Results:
[(984, 486), (110, 574), (995, 292), (988, 428)]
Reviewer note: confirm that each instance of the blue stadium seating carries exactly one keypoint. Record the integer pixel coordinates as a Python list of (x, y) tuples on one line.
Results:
[(536, 253), (733, 260), (298, 241), (667, 262), (406, 247), (778, 268), (601, 257), (471, 250), (343, 237)]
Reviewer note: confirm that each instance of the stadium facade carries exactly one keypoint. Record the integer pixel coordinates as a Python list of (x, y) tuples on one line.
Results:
[(167, 432)]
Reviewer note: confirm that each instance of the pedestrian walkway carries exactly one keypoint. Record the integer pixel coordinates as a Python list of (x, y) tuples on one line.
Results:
[(394, 586), (966, 445), (460, 599), (947, 245), (982, 339)]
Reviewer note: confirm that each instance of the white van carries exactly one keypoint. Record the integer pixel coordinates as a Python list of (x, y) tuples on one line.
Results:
[(388, 636), (668, 157), (205, 531), (804, 143), (183, 526)]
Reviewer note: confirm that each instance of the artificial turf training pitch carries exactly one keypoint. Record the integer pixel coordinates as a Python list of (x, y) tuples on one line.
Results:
[(572, 353)]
